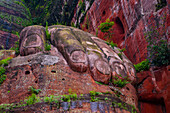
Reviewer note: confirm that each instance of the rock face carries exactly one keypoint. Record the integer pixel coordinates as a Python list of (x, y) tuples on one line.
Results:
[(132, 19), (77, 61), (13, 18), (15, 15), (154, 97)]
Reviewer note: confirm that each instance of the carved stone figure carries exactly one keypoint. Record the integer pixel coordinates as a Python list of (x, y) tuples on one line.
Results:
[(81, 50)]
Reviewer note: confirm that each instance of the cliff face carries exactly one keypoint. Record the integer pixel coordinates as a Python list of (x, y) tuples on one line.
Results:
[(13, 18), (133, 18), (75, 70), (16, 14)]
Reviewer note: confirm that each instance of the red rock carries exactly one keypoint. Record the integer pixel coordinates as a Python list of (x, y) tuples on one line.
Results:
[(50, 73), (132, 18), (147, 94), (7, 40)]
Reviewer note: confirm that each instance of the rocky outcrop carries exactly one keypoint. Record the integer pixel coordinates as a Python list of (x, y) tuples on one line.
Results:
[(132, 20), (154, 97), (53, 76), (13, 18), (77, 61)]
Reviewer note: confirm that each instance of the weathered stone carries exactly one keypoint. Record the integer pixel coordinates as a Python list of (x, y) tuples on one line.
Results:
[(49, 71), (13, 18), (132, 20), (148, 94), (7, 53), (32, 40), (79, 49), (7, 40)]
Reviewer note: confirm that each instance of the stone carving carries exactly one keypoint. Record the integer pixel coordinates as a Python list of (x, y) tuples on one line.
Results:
[(81, 50)]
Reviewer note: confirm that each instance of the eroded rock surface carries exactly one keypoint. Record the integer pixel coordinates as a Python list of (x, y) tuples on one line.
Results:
[(154, 96), (76, 61), (132, 19)]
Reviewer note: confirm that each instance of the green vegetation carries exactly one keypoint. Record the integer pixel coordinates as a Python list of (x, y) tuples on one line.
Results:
[(3, 63), (93, 95), (56, 101), (142, 66), (158, 50), (2, 75), (80, 3), (28, 12), (34, 91), (100, 83), (16, 48), (86, 23), (15, 19), (106, 27), (65, 98), (73, 96), (49, 99), (48, 35), (6, 106), (122, 50), (120, 82), (72, 24), (34, 8), (111, 44), (32, 99), (16, 45), (47, 47)]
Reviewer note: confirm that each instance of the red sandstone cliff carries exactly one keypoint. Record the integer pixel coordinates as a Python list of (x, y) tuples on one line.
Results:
[(132, 19)]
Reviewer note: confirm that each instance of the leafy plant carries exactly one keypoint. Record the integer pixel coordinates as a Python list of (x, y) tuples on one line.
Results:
[(5, 62), (80, 3), (158, 50), (106, 27), (6, 106), (119, 82), (27, 9), (105, 98), (111, 44), (47, 47), (48, 35), (49, 99), (65, 98), (33, 90), (122, 50), (142, 66), (2, 78), (73, 96), (93, 95), (120, 55), (32, 99)]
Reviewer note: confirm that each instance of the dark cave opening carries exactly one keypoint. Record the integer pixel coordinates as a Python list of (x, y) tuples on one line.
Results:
[(118, 22)]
